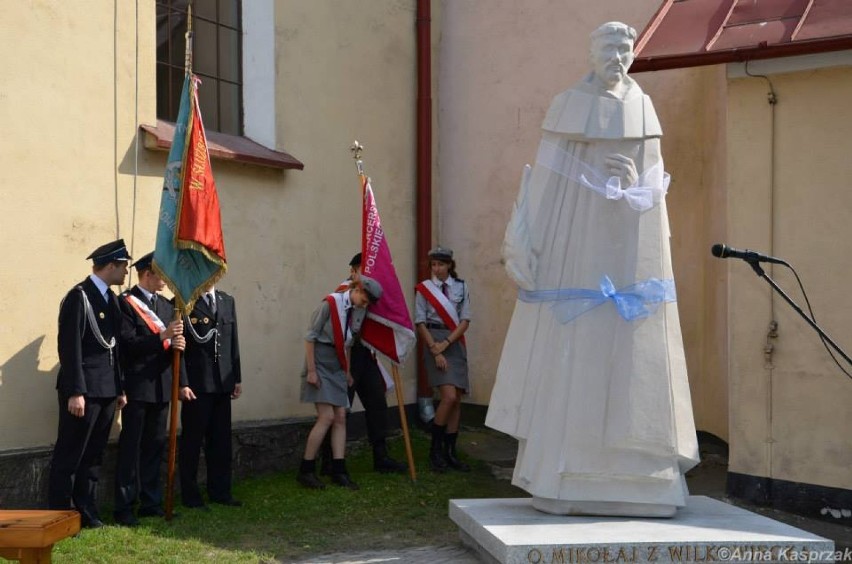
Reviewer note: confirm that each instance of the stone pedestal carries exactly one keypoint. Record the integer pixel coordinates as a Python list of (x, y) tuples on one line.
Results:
[(706, 530)]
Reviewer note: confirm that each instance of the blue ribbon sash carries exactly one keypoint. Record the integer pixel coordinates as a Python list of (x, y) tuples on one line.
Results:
[(636, 301)]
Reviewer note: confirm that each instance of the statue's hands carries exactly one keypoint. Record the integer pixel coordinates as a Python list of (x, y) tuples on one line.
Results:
[(622, 167)]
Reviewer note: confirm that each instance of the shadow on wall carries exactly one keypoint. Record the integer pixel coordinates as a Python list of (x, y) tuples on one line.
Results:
[(28, 416), (22, 381)]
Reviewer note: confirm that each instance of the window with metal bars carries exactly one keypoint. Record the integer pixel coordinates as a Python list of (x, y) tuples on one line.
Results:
[(217, 60)]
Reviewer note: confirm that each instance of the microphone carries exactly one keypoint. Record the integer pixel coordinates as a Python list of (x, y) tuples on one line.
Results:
[(720, 250)]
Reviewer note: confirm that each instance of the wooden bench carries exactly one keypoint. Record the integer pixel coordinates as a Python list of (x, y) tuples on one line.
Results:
[(28, 535)]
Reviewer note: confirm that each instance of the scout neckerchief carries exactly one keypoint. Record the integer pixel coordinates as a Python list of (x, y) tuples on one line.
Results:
[(445, 309), (151, 319), (337, 311)]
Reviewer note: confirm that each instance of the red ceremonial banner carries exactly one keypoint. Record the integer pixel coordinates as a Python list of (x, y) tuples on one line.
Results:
[(199, 220)]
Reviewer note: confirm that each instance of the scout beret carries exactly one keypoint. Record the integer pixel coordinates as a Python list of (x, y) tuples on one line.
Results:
[(372, 287)]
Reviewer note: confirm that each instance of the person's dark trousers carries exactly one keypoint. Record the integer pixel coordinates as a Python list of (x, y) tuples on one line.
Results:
[(206, 420), (75, 466), (370, 388), (140, 456)]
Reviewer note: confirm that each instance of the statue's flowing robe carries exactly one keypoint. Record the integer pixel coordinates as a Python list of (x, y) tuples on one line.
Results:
[(600, 405)]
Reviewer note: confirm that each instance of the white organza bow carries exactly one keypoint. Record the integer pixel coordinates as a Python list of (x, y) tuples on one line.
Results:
[(640, 198), (646, 192)]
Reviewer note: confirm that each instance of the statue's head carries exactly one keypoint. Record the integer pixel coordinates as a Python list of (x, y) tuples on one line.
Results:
[(611, 52)]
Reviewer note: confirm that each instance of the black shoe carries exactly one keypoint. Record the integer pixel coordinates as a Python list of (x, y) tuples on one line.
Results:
[(91, 522), (230, 502), (437, 462), (126, 520), (310, 480), (199, 505), (155, 511), (388, 465), (450, 453), (456, 464), (89, 519), (344, 481)]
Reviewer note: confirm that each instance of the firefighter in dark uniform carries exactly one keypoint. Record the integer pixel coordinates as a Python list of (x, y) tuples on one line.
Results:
[(212, 359), (89, 382), (149, 337)]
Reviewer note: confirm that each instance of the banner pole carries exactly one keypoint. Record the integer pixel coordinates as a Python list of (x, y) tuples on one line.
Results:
[(173, 420), (356, 149), (403, 419), (173, 405)]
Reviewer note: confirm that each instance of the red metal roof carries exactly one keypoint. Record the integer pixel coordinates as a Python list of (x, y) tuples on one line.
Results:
[(223, 146), (688, 33)]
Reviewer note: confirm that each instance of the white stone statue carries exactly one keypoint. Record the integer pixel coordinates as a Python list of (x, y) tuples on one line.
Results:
[(592, 379)]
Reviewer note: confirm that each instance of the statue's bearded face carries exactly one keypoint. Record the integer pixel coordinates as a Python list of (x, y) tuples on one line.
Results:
[(612, 55)]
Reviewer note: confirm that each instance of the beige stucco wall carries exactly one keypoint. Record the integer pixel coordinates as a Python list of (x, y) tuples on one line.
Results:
[(67, 161), (67, 105), (501, 64), (346, 71), (789, 411)]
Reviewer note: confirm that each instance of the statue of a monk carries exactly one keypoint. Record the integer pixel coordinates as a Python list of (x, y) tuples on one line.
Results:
[(592, 379)]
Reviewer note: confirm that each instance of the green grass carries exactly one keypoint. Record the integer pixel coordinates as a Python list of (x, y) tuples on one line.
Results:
[(280, 520)]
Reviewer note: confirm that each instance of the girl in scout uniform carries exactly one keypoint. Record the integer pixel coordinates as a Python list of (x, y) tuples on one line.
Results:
[(442, 315), (327, 378)]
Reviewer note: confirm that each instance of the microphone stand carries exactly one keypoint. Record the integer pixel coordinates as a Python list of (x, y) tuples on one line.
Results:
[(755, 265)]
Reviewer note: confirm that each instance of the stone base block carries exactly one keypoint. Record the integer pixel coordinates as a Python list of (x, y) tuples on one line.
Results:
[(706, 530)]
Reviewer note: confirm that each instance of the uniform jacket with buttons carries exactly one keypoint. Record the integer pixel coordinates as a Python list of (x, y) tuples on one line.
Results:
[(207, 372), (147, 364), (84, 365)]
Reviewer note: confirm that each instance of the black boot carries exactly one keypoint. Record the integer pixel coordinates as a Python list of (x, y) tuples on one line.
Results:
[(340, 476), (307, 475), (437, 460), (325, 455), (450, 453), (383, 463)]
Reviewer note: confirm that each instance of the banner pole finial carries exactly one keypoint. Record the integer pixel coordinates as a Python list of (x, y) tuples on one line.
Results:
[(187, 62), (356, 149)]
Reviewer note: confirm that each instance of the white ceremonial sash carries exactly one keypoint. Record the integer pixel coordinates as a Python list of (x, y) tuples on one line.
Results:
[(448, 307), (151, 319)]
